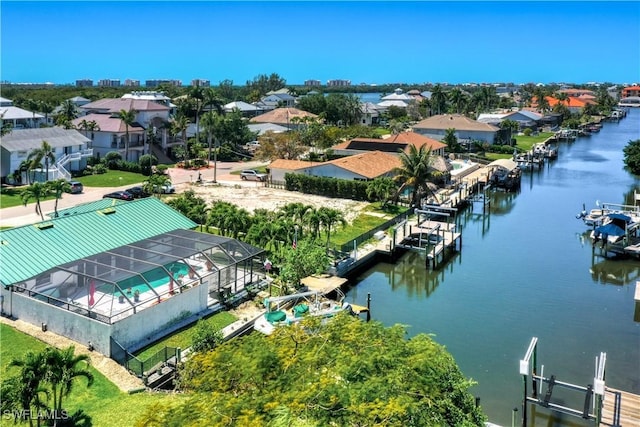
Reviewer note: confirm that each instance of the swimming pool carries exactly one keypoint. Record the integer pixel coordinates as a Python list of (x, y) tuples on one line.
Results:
[(156, 277)]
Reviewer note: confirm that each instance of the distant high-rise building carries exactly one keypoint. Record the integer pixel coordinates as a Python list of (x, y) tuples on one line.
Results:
[(200, 83), (338, 82), (158, 82), (312, 83), (109, 83), (132, 82), (84, 83)]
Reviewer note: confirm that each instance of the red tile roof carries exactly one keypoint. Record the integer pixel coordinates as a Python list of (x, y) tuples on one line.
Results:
[(369, 165)]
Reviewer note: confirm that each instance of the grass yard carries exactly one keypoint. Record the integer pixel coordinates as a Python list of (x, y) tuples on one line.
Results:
[(525, 143), (103, 401), (371, 217), (11, 196), (182, 338), (112, 179)]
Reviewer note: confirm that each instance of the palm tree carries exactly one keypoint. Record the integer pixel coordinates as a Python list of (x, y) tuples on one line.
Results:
[(313, 221), (381, 189), (58, 187), (209, 121), (33, 373), (415, 172), (47, 108), (46, 153), (32, 105), (457, 98), (88, 126), (37, 191), (438, 99), (64, 367), (128, 118), (329, 218), (196, 93), (68, 111), (180, 125)]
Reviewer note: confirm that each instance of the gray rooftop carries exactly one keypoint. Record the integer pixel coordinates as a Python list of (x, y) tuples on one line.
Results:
[(30, 139)]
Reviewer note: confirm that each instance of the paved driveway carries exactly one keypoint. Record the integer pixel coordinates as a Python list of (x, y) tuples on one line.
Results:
[(22, 215)]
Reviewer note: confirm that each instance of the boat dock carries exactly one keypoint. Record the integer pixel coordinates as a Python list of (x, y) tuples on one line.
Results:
[(620, 408), (434, 238)]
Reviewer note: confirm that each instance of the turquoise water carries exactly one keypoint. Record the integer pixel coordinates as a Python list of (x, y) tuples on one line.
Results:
[(527, 269), (156, 277)]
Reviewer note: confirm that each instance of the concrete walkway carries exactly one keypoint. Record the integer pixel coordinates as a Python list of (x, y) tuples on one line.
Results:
[(23, 215)]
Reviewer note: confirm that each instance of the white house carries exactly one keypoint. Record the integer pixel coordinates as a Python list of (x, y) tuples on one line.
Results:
[(466, 129), (70, 149), (19, 117), (110, 135)]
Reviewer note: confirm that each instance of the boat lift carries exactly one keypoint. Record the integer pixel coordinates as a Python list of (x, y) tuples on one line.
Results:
[(592, 409)]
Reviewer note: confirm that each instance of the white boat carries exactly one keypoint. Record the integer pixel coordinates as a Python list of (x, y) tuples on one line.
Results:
[(291, 309), (614, 228)]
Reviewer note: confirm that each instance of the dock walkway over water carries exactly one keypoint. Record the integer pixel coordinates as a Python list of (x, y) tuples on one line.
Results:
[(620, 408)]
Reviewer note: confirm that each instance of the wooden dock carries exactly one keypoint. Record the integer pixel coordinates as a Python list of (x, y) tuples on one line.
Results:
[(434, 237), (620, 408)]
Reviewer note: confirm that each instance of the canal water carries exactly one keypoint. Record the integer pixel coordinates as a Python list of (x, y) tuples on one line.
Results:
[(528, 269)]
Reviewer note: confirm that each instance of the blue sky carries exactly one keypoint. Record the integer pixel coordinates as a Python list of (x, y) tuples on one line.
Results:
[(365, 42)]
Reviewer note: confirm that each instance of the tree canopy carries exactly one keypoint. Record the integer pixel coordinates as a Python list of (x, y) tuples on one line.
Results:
[(343, 372), (632, 156)]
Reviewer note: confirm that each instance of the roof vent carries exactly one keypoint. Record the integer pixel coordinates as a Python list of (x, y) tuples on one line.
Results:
[(108, 211), (44, 225)]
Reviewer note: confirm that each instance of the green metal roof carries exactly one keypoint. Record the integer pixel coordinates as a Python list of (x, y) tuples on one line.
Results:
[(89, 207), (32, 249)]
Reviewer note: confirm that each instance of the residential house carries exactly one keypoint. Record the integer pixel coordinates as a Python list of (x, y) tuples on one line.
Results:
[(396, 99), (466, 129), (70, 150), (524, 118), (277, 100), (262, 128), (150, 115), (392, 145), (110, 135), (361, 167), (77, 275), (630, 91), (247, 110), (574, 104), (287, 117), (370, 114), (19, 118)]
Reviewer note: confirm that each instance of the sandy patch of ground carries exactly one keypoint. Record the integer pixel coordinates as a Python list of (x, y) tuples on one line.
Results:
[(258, 197)]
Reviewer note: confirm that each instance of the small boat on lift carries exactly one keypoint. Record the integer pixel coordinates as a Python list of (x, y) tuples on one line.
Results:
[(290, 309)]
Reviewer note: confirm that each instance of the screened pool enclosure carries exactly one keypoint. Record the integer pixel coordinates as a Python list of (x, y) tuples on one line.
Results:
[(112, 285)]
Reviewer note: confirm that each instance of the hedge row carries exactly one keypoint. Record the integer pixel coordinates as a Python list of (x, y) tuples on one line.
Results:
[(328, 187)]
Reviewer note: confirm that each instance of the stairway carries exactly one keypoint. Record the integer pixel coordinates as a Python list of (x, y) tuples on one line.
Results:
[(160, 155)]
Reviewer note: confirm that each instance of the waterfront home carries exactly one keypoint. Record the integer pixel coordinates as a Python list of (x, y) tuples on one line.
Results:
[(19, 118), (370, 113), (287, 117), (70, 149), (524, 118), (360, 167), (466, 129), (630, 91), (120, 274), (392, 145)]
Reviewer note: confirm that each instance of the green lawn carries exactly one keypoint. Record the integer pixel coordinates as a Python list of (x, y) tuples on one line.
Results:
[(112, 179), (182, 338), (365, 222), (10, 197), (103, 401), (525, 143)]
